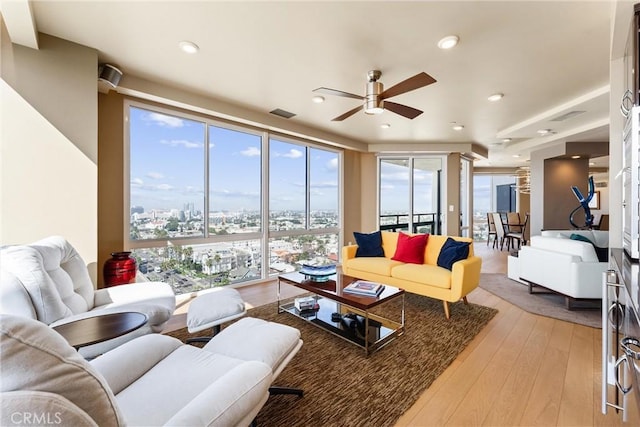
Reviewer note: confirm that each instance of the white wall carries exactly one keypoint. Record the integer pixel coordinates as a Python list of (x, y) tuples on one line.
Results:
[(48, 144)]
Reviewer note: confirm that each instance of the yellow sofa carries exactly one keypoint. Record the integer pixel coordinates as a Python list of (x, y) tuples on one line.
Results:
[(426, 279)]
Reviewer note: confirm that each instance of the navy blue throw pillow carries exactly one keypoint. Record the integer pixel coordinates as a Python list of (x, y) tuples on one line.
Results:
[(369, 245), (452, 251)]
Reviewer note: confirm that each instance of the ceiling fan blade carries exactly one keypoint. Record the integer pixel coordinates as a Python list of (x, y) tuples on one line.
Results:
[(403, 110), (336, 92), (348, 114), (412, 83)]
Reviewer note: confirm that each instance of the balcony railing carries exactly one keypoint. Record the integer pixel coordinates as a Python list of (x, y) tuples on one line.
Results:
[(422, 223)]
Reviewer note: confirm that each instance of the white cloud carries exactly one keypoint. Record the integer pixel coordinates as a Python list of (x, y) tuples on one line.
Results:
[(251, 152), (387, 187), (293, 154), (166, 121), (164, 187), (325, 184), (137, 182), (181, 142), (155, 175), (395, 176), (332, 164)]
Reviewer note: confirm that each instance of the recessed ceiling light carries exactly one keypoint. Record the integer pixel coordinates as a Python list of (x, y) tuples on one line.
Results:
[(188, 47), (544, 131), (506, 139), (318, 99), (448, 42), (385, 126), (575, 157), (516, 156), (457, 127), (496, 97), (592, 164)]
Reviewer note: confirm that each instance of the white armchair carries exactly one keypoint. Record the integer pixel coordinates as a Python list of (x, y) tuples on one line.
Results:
[(152, 380), (569, 267), (48, 281)]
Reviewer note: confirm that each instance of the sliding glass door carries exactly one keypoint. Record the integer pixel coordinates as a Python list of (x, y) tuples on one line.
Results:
[(409, 194)]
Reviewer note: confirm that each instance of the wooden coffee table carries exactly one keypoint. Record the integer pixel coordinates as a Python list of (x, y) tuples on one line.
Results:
[(331, 300), (93, 330)]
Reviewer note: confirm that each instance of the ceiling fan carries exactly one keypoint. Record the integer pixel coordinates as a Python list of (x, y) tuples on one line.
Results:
[(375, 100)]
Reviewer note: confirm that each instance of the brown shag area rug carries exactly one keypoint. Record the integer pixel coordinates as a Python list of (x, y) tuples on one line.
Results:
[(344, 387)]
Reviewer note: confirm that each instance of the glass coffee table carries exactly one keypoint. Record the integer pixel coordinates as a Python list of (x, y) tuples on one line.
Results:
[(349, 316)]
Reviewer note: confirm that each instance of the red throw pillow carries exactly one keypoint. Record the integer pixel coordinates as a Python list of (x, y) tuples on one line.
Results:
[(411, 248)]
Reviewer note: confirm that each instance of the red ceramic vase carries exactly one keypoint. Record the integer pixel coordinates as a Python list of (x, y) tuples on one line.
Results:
[(120, 269)]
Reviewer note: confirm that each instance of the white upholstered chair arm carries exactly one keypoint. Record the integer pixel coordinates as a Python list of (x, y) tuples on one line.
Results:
[(141, 355), (20, 407), (232, 400), (126, 294)]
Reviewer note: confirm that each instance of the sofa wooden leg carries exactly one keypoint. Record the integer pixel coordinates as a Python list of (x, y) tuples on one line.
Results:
[(446, 309), (464, 298)]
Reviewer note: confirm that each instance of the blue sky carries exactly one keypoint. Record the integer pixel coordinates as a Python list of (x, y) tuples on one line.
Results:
[(167, 171), (167, 167)]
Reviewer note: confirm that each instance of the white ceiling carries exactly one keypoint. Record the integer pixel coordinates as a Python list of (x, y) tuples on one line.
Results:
[(548, 58)]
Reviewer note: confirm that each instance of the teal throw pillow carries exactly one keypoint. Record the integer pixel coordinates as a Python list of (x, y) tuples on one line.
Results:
[(369, 245), (601, 253), (580, 237), (452, 251)]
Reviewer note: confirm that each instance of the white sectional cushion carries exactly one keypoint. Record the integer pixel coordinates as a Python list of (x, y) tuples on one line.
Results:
[(584, 250), (599, 237)]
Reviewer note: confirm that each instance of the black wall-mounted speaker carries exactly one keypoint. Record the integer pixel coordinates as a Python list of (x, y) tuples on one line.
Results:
[(109, 74)]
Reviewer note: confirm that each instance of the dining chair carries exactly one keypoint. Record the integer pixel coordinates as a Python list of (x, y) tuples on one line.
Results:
[(492, 227), (513, 222), (500, 231), (518, 235)]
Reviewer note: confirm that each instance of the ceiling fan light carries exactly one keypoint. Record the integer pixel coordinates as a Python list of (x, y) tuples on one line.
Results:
[(373, 106), (448, 42), (188, 47), (374, 110)]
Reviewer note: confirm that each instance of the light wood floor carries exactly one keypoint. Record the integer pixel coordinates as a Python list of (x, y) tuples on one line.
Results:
[(521, 370)]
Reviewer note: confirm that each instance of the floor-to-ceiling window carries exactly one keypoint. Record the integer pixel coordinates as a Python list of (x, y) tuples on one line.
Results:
[(303, 205), (409, 194), (485, 199), (213, 203), (466, 201)]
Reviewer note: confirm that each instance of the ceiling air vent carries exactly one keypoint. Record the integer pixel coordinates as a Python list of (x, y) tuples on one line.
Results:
[(569, 115), (282, 113)]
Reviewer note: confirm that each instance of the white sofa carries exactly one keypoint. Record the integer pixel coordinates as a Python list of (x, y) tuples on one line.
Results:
[(149, 381), (48, 281), (569, 267)]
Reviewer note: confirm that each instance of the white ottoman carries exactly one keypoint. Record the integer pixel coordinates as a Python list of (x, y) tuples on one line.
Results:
[(212, 308), (254, 339)]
